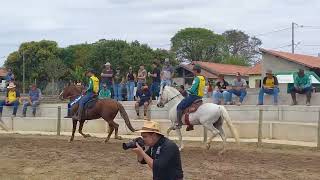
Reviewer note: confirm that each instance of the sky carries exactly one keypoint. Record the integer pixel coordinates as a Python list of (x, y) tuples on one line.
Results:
[(154, 22)]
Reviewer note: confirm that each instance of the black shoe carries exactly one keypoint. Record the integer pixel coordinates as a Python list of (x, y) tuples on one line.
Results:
[(67, 116)]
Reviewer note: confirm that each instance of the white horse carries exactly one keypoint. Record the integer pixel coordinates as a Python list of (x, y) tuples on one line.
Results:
[(210, 115)]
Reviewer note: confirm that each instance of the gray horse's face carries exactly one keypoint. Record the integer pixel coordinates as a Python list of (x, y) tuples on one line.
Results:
[(163, 98)]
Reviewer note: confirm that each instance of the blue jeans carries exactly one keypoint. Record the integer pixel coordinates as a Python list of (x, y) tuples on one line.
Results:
[(117, 91), (273, 92), (85, 99), (155, 89), (15, 105), (139, 84), (217, 96), (186, 102), (33, 105), (241, 93), (130, 90)]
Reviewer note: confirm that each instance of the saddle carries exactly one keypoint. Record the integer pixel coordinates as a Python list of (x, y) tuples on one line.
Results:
[(193, 108), (90, 104)]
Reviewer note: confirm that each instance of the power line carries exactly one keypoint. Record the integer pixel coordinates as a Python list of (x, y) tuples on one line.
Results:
[(274, 31)]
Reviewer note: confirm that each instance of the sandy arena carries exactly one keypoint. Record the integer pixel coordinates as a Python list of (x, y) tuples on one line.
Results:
[(52, 157)]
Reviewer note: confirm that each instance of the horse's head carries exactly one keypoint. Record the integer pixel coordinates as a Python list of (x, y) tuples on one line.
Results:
[(167, 94), (70, 91)]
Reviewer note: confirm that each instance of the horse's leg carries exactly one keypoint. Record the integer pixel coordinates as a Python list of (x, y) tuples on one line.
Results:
[(116, 127), (169, 130), (111, 129), (178, 132), (74, 127), (223, 137), (214, 132), (80, 130)]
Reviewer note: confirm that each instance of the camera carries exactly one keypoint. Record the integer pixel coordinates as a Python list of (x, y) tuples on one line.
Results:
[(132, 144)]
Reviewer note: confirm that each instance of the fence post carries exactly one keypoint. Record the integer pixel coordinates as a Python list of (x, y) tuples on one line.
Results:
[(260, 128), (59, 121), (318, 145), (205, 134)]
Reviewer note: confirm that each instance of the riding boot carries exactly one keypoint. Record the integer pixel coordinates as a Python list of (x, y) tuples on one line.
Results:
[(78, 115), (68, 115), (179, 120)]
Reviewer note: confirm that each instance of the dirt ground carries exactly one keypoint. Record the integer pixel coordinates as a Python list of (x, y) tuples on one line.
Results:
[(53, 157)]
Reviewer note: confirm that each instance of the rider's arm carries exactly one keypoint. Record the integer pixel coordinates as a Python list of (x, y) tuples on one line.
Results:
[(194, 87)]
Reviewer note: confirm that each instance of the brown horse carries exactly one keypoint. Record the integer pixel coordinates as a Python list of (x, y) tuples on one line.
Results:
[(106, 108)]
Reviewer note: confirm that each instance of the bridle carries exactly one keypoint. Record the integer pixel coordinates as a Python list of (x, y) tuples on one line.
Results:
[(172, 98)]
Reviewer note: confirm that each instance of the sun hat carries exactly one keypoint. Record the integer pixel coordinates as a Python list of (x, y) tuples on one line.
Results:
[(150, 127), (11, 85), (269, 71), (107, 64)]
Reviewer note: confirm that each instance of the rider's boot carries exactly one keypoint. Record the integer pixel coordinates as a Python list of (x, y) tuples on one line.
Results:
[(178, 121), (78, 115)]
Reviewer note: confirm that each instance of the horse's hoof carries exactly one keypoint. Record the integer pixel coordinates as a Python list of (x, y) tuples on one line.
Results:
[(70, 140), (88, 135), (221, 152), (106, 141)]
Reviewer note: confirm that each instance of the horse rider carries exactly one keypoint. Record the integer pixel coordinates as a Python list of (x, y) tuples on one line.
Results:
[(91, 91), (195, 92)]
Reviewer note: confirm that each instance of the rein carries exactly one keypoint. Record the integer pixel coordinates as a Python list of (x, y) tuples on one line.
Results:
[(173, 97)]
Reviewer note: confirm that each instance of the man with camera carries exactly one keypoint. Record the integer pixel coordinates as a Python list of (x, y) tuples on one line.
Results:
[(162, 155)]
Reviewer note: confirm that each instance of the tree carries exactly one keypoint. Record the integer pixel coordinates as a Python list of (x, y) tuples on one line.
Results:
[(198, 44), (55, 69), (242, 45)]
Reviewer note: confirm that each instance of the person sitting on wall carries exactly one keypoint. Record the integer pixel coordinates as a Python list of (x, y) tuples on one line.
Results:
[(12, 99), (239, 87), (302, 85), (269, 86), (143, 98), (104, 92), (221, 90)]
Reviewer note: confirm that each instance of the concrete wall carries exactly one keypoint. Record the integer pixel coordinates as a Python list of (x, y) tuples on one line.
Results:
[(277, 64), (296, 123)]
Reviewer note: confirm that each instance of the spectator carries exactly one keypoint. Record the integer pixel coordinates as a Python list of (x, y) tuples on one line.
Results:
[(12, 99), (104, 92), (221, 91), (10, 76), (33, 100), (155, 86), (142, 76), (239, 86), (117, 85), (209, 89), (143, 98), (162, 155), (107, 77), (183, 92), (269, 86), (302, 85), (131, 77), (166, 75), (123, 89)]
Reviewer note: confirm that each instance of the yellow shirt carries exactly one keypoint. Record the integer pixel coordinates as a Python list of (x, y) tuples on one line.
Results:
[(12, 96), (269, 83)]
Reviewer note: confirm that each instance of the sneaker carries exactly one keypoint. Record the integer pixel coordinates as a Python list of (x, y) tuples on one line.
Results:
[(239, 103), (259, 104), (308, 104), (145, 118)]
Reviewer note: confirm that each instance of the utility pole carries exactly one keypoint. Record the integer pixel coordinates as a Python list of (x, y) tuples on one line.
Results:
[(292, 44), (23, 73)]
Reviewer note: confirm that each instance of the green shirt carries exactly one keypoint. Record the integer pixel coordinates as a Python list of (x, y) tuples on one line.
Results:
[(104, 93), (302, 82)]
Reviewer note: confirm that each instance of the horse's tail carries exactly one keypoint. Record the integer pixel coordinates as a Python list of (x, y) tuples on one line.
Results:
[(226, 117), (124, 115)]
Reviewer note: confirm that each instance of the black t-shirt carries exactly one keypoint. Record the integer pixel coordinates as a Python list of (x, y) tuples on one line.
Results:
[(156, 71), (166, 160), (222, 85)]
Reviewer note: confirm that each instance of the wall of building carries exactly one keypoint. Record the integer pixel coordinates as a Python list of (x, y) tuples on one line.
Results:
[(253, 81), (277, 64)]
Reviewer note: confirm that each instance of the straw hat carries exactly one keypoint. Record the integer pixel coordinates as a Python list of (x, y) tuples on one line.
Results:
[(11, 85), (151, 127)]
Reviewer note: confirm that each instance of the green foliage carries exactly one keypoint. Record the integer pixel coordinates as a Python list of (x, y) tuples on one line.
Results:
[(198, 44)]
